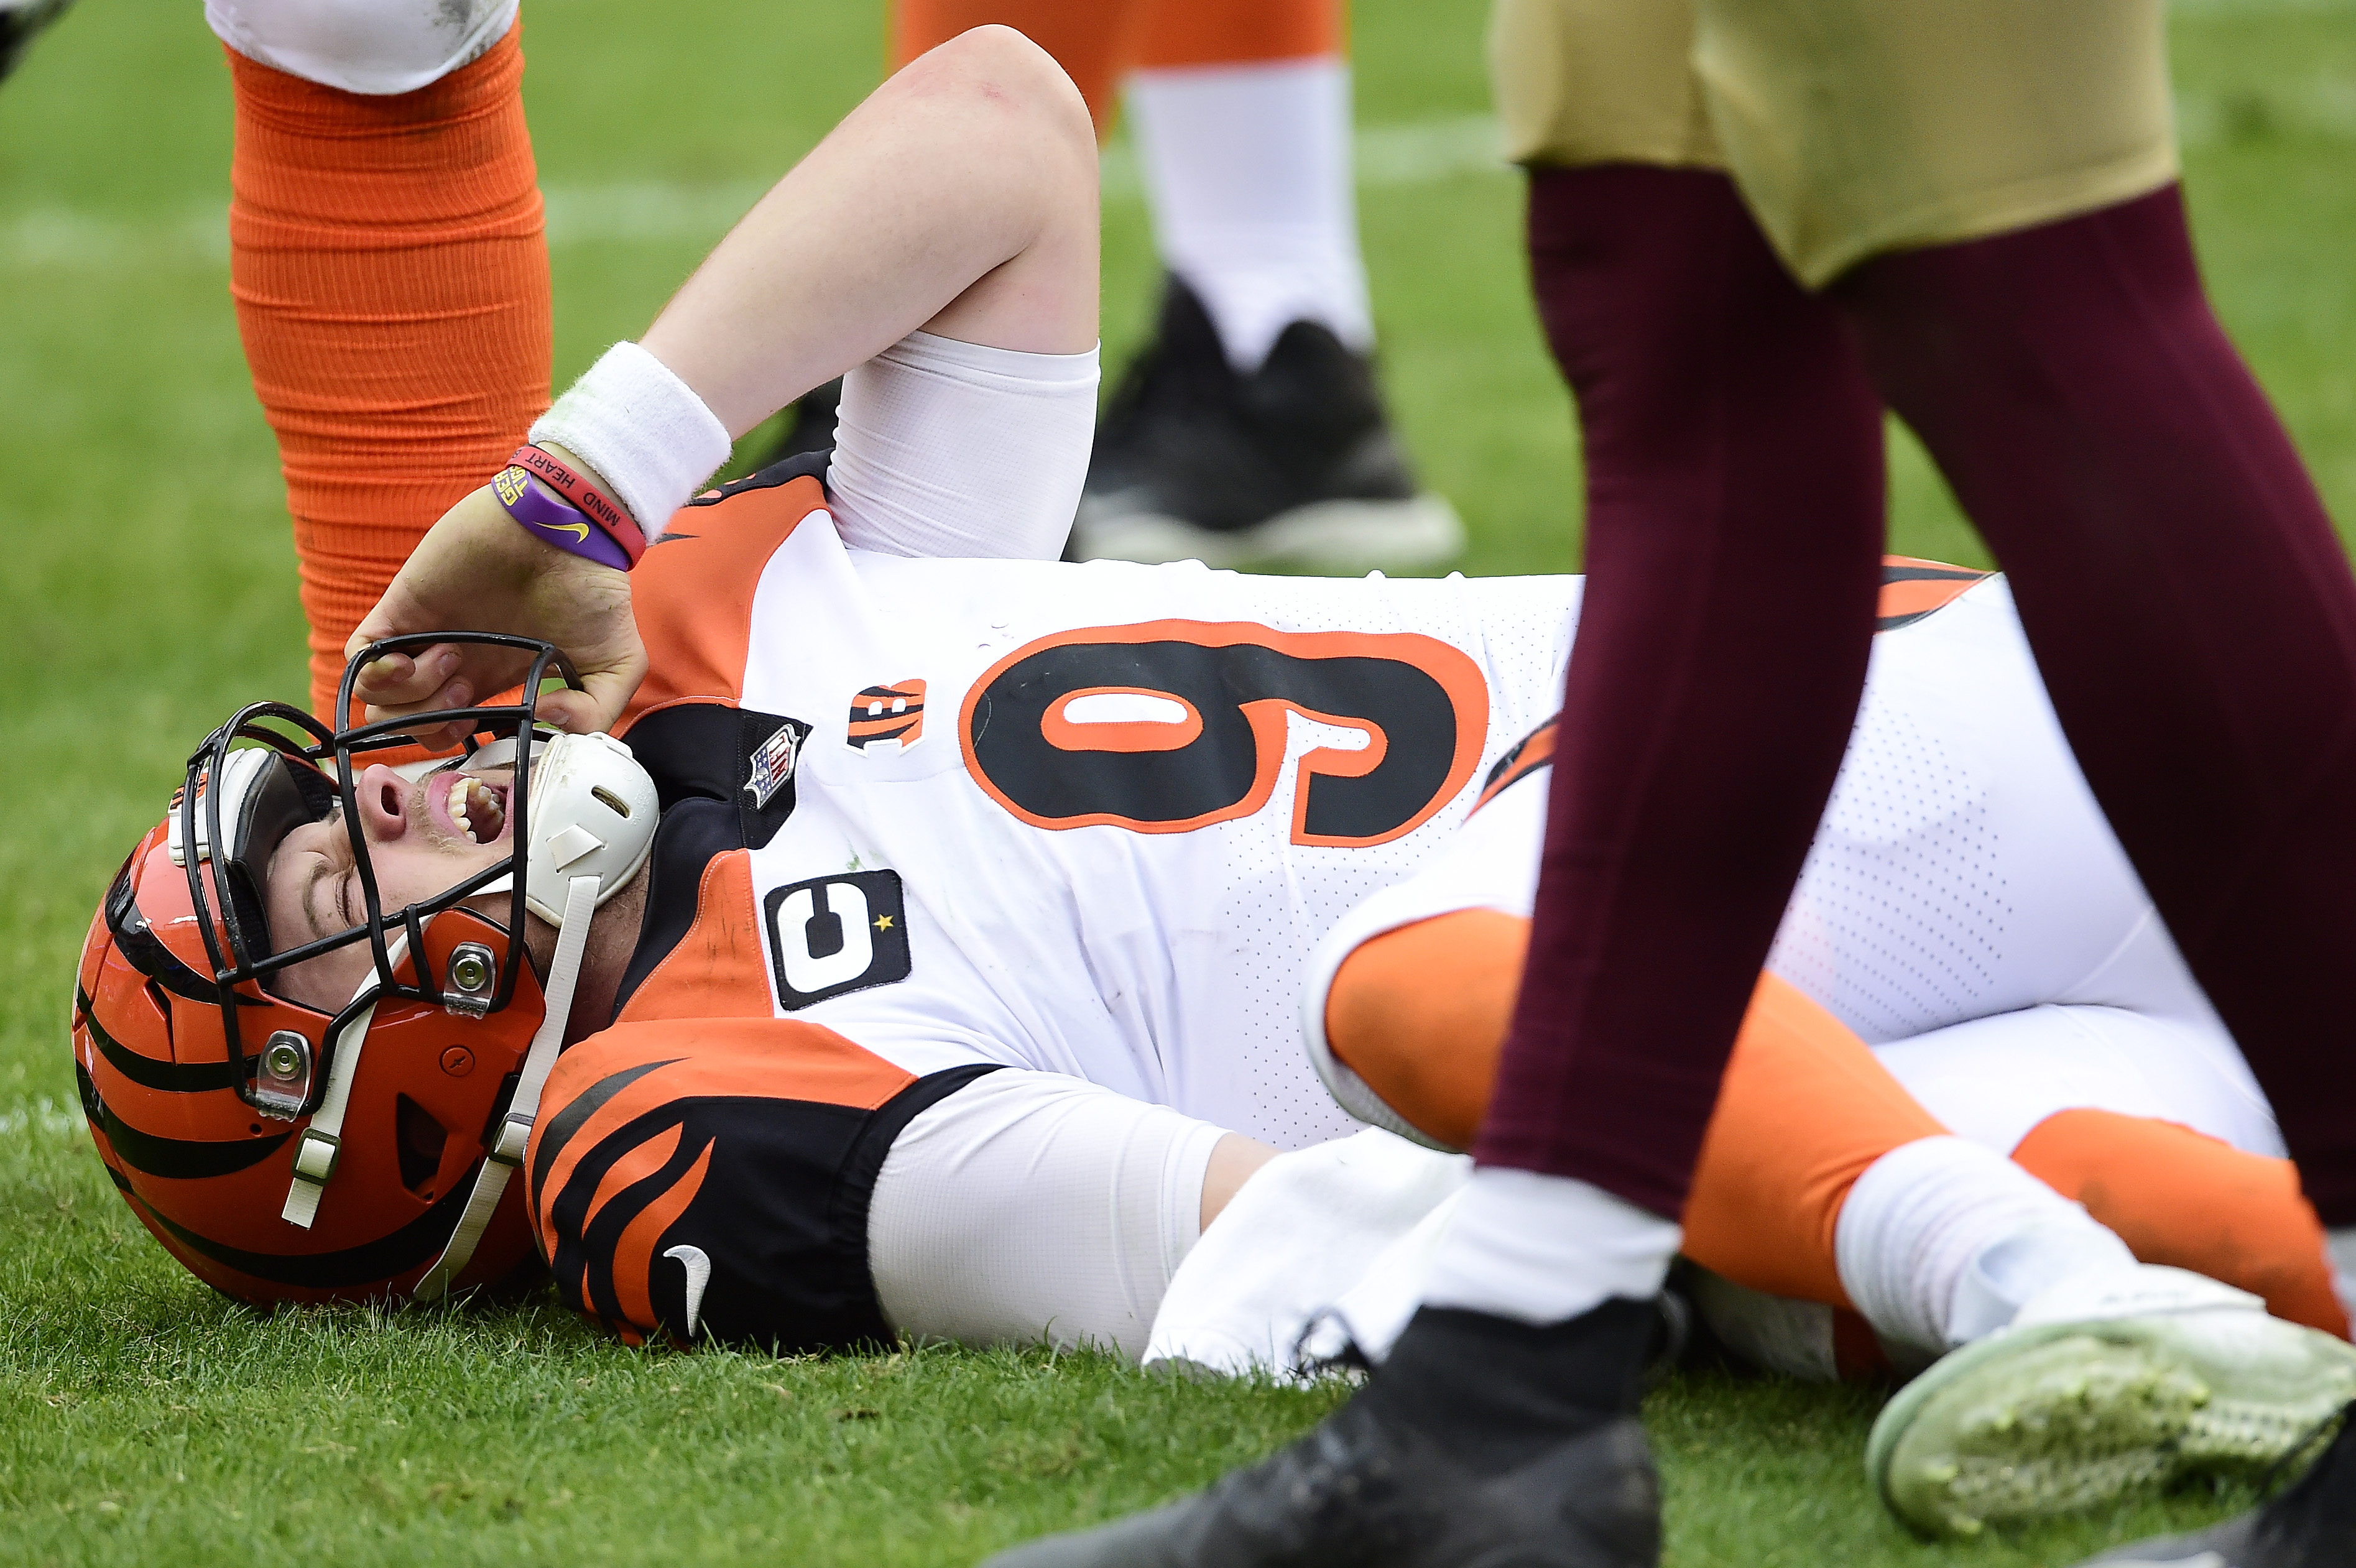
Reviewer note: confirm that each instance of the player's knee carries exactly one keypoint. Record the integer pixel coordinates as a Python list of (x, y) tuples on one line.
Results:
[(1419, 1014)]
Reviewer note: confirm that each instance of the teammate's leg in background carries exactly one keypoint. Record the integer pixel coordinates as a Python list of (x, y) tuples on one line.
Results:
[(19, 21), (1252, 426), (2192, 611), (391, 274), (1734, 519)]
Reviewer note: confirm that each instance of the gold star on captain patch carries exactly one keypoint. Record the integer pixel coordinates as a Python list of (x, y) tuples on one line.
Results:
[(882, 922)]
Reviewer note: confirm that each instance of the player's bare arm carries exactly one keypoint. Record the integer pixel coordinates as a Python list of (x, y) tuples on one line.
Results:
[(961, 198)]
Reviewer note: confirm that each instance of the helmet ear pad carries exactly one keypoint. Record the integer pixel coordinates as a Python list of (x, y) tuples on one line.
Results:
[(208, 1175)]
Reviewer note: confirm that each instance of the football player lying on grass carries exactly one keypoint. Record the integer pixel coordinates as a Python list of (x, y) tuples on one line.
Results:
[(934, 955)]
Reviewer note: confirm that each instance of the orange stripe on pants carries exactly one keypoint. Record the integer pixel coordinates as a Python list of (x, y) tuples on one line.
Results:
[(1099, 43), (391, 274)]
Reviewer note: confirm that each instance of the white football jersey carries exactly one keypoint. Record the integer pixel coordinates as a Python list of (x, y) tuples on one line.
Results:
[(1087, 820)]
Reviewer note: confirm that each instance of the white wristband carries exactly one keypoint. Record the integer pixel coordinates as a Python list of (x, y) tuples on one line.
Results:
[(642, 430)]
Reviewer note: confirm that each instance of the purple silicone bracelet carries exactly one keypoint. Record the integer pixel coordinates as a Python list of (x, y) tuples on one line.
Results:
[(555, 520)]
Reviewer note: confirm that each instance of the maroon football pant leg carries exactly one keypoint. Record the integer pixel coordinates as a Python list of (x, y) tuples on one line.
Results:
[(2191, 610), (1734, 483)]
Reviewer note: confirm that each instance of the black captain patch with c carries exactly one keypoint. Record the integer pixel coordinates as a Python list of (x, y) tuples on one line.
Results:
[(832, 935)]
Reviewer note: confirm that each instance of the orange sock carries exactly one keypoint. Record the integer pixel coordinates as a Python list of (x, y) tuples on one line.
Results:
[(1805, 1110), (390, 273), (2178, 1197), (1099, 42)]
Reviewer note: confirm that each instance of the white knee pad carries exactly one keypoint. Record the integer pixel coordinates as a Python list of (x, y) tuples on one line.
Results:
[(361, 46)]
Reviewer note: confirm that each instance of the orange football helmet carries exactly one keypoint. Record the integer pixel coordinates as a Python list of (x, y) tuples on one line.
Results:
[(285, 1154)]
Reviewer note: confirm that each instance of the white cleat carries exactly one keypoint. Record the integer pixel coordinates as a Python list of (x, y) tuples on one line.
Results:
[(2107, 1383)]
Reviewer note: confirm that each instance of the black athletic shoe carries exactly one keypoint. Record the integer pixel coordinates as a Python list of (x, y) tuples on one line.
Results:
[(19, 23), (1294, 461), (1480, 1444), (2312, 1525)]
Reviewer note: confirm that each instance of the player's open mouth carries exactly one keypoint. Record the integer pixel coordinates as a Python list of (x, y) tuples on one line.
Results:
[(474, 809)]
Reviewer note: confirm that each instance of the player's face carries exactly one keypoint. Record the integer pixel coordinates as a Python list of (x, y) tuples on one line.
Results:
[(422, 835)]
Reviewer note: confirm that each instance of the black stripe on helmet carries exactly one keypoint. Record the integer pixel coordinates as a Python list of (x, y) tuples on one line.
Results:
[(177, 1160), (371, 1262)]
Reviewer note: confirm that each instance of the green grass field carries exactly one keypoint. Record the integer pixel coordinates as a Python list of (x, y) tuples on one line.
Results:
[(150, 587)]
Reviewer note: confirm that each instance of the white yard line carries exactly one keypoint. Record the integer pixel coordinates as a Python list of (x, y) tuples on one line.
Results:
[(651, 213)]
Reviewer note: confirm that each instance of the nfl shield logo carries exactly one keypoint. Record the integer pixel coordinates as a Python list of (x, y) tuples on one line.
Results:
[(771, 764)]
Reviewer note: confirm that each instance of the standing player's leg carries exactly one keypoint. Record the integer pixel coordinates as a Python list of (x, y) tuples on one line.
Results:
[(1988, 189), (387, 257), (1252, 426), (1989, 193), (1734, 517), (2191, 610), (19, 21), (1734, 479)]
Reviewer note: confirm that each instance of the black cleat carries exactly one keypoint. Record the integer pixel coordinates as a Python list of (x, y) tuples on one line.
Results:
[(2312, 1525), (1294, 461), (1480, 1444), (18, 22)]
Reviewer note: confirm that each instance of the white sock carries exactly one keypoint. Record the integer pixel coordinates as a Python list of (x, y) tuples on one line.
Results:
[(1541, 1249), (1941, 1240), (1247, 168), (2339, 1247)]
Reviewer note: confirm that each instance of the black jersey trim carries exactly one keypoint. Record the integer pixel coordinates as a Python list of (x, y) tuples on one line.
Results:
[(771, 1195), (700, 756)]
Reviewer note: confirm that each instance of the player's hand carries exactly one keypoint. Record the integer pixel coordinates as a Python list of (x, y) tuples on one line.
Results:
[(475, 571)]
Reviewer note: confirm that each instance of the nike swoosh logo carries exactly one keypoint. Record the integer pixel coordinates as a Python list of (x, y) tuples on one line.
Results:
[(579, 531), (698, 1264)]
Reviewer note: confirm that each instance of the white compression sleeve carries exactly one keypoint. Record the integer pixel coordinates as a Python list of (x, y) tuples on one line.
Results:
[(950, 449), (1923, 1215), (1032, 1206), (1248, 167), (361, 46), (1546, 1248)]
